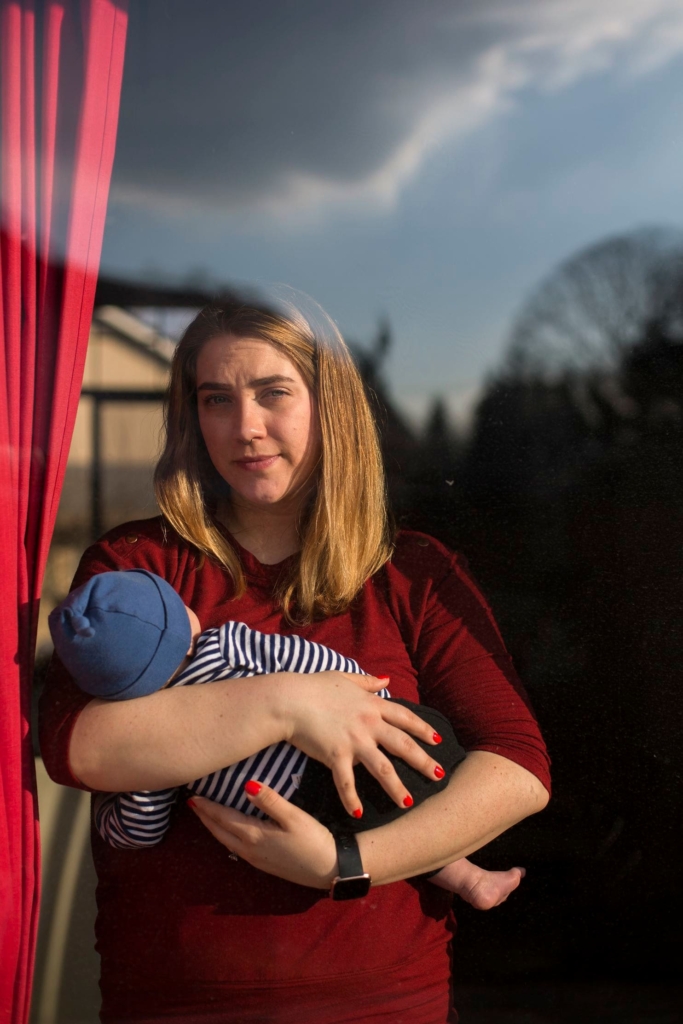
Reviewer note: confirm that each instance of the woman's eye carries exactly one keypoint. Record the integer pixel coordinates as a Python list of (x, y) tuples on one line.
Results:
[(277, 393), (215, 400)]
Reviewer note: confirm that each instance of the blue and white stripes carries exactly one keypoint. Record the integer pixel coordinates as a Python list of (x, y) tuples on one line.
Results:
[(135, 820), (128, 820)]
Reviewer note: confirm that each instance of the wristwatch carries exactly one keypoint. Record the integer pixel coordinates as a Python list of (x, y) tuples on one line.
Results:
[(352, 882)]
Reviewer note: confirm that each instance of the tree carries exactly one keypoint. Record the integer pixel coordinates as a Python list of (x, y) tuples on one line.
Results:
[(599, 304)]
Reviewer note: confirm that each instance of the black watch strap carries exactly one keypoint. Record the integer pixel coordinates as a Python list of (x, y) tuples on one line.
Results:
[(352, 882), (348, 855)]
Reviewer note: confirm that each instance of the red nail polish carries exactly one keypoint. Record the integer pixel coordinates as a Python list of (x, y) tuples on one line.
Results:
[(437, 738), (408, 801), (439, 772), (252, 788), (358, 813), (384, 679), (191, 803)]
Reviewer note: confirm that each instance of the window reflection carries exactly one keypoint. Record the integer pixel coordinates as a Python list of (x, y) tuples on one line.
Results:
[(462, 186)]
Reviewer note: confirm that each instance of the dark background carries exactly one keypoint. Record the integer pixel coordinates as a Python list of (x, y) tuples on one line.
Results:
[(567, 499)]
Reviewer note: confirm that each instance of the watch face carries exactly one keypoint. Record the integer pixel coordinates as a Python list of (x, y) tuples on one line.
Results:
[(351, 888)]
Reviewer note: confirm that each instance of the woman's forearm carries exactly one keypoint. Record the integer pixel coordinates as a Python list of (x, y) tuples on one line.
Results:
[(487, 795), (175, 735), (180, 734)]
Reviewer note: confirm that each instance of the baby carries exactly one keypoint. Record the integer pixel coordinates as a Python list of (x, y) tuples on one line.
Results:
[(128, 634)]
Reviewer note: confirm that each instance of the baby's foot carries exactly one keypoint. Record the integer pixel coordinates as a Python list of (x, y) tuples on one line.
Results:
[(487, 889)]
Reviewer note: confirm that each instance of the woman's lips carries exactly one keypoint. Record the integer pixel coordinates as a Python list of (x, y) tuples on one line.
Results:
[(262, 462)]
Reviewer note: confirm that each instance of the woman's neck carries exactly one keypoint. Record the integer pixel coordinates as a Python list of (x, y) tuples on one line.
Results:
[(270, 534)]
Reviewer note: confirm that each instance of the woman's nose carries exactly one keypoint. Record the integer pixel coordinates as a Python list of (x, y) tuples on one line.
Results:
[(250, 425)]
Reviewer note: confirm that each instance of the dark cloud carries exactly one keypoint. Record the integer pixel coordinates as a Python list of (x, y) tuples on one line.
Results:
[(228, 103), (230, 98)]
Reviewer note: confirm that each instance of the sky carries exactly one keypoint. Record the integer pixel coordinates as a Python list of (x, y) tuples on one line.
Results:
[(425, 162)]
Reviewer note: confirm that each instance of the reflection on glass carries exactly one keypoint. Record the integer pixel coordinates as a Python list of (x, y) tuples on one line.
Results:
[(464, 188)]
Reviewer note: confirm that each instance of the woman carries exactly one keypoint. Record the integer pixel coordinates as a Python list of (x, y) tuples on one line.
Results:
[(296, 542)]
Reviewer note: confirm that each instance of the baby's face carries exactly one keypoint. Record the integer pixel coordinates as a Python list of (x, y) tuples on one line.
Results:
[(196, 628)]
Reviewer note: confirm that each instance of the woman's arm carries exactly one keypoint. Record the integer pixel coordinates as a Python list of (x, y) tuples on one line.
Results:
[(466, 673), (486, 795), (174, 736)]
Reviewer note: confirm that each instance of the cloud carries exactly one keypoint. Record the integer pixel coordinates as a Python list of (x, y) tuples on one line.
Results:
[(289, 108)]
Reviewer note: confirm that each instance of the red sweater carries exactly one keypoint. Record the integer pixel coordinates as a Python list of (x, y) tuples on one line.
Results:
[(186, 933)]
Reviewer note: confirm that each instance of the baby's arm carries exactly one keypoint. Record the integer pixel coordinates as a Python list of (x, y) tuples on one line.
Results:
[(134, 820), (138, 820), (483, 889)]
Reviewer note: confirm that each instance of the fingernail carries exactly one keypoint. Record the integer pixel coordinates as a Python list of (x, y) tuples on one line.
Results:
[(436, 737), (191, 803), (439, 772), (408, 801), (358, 813), (252, 788), (384, 679)]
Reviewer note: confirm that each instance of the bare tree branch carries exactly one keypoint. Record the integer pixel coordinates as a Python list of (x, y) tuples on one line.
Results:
[(599, 304)]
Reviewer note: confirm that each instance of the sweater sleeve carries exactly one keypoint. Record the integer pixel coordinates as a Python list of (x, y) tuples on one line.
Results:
[(464, 668)]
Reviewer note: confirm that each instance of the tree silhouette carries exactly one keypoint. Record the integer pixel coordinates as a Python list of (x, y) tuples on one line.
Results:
[(600, 303), (400, 447), (433, 495), (573, 482)]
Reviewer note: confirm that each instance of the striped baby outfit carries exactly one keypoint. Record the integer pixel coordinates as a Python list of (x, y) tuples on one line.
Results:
[(135, 820)]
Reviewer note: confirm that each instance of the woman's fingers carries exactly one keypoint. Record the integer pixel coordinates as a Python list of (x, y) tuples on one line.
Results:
[(405, 719), (281, 813), (219, 822), (345, 781), (271, 803), (397, 742), (399, 721), (340, 726), (289, 843), (379, 765), (370, 683)]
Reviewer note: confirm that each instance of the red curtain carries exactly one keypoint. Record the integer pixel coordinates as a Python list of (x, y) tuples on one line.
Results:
[(61, 65)]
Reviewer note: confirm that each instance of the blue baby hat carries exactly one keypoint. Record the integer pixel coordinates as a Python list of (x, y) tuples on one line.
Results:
[(122, 634)]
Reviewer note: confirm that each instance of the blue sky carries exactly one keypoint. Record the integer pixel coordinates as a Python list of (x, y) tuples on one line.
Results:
[(430, 163)]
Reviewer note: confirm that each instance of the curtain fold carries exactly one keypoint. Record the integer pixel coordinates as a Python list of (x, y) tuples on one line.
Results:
[(61, 66)]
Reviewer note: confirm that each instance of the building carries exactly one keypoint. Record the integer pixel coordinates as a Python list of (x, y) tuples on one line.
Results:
[(115, 443)]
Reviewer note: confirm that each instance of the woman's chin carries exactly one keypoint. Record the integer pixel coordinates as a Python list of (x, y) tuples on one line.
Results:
[(286, 495), (259, 497)]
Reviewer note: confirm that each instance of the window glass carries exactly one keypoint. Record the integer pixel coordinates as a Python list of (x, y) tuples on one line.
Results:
[(486, 197)]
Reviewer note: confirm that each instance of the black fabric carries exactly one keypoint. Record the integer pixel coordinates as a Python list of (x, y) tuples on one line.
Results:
[(318, 795)]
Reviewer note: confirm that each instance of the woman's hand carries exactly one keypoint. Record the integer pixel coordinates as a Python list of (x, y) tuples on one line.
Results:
[(185, 732), (336, 718), (291, 845)]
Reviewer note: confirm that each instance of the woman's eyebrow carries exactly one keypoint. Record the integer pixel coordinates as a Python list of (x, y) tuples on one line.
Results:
[(277, 378)]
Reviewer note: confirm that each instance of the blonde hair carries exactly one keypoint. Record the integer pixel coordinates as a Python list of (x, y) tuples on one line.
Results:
[(344, 531)]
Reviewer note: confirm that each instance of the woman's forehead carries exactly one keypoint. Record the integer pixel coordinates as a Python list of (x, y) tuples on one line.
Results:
[(242, 361)]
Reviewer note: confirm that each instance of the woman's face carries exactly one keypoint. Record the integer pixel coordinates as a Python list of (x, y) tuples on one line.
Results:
[(258, 420)]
